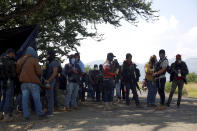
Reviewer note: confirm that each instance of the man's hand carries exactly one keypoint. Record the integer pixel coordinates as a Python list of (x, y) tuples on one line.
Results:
[(47, 81), (116, 72), (75, 71), (154, 74)]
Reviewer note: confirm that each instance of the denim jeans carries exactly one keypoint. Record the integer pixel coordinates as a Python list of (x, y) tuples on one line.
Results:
[(108, 86), (91, 92), (130, 85), (160, 85), (34, 90), (50, 97), (152, 91), (8, 94), (72, 94), (118, 89)]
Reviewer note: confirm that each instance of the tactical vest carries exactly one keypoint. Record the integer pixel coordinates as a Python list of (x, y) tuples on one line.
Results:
[(159, 67)]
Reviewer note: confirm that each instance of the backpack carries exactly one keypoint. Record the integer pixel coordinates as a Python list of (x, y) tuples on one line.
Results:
[(7, 68), (62, 82)]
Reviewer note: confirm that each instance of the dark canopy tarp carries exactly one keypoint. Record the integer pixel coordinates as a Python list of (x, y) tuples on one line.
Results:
[(18, 38)]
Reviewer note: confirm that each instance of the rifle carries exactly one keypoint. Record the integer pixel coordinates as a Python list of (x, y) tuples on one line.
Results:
[(138, 88)]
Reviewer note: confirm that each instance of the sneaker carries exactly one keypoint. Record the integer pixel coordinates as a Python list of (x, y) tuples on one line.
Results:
[(161, 107), (119, 100), (42, 117), (139, 106), (167, 104), (67, 109), (76, 108), (153, 105)]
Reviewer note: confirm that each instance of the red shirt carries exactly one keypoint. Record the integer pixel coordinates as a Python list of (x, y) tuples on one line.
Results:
[(107, 67)]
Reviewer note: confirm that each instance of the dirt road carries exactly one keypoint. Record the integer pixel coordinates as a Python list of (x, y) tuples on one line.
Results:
[(92, 117)]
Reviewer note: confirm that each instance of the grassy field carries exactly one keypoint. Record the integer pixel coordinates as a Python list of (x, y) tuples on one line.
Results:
[(191, 89)]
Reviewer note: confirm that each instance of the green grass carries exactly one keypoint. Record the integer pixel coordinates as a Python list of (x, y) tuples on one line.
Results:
[(191, 89)]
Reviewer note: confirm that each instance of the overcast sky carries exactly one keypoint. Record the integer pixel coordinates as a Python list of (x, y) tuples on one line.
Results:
[(175, 31)]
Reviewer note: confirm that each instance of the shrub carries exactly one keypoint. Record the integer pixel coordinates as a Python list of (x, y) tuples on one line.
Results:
[(192, 77)]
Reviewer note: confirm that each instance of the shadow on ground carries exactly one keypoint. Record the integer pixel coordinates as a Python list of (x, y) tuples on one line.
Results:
[(91, 117)]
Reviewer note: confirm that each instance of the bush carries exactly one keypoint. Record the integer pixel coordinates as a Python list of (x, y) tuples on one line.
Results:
[(192, 77), (168, 87)]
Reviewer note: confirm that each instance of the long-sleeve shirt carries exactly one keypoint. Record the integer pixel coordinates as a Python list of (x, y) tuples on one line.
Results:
[(149, 72)]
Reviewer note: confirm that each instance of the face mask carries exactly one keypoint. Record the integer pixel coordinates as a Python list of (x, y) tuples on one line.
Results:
[(95, 68), (161, 56), (179, 61), (73, 61), (110, 59)]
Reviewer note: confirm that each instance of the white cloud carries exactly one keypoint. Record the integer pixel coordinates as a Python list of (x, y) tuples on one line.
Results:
[(142, 41)]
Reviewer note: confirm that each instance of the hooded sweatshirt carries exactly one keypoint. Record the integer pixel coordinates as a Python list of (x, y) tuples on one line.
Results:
[(30, 72)]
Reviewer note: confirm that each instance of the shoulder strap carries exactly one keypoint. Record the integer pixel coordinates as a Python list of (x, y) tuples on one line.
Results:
[(24, 63)]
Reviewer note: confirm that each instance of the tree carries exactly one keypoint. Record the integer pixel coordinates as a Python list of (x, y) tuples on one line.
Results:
[(87, 69), (63, 23)]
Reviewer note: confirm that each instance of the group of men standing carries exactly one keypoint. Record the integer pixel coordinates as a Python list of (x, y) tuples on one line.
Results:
[(23, 80), (25, 83), (155, 79), (102, 81)]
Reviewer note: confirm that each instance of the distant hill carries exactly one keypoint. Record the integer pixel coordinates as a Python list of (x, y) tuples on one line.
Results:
[(98, 62), (191, 63)]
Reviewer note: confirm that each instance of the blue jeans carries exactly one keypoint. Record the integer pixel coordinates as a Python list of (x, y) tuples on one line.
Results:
[(108, 86), (91, 92), (50, 97), (71, 94), (118, 89), (34, 90), (8, 94), (152, 91), (130, 85)]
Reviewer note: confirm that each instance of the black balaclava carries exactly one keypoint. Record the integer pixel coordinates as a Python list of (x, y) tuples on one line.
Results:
[(101, 67), (162, 54), (95, 67), (77, 55), (110, 57)]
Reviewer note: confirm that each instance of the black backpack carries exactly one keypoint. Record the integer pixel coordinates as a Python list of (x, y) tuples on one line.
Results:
[(62, 82)]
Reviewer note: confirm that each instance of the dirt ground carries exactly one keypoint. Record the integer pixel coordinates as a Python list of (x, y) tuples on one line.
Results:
[(92, 117)]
